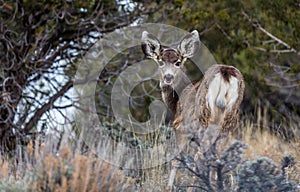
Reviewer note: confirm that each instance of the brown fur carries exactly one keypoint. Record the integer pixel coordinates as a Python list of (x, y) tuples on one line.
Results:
[(227, 72)]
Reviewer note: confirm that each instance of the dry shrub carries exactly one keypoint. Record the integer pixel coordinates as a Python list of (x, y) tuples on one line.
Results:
[(261, 144), (64, 171)]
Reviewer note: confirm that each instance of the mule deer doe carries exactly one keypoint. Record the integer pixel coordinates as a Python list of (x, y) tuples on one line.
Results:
[(213, 100)]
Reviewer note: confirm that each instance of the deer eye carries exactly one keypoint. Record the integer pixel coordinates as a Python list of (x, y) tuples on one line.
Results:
[(161, 63), (178, 63)]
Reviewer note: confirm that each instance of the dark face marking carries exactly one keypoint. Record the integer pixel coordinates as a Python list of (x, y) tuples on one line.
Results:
[(170, 56)]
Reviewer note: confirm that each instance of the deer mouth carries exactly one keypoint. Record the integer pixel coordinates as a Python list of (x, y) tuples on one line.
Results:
[(168, 81)]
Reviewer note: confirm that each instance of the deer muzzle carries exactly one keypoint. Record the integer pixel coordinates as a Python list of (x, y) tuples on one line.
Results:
[(168, 78)]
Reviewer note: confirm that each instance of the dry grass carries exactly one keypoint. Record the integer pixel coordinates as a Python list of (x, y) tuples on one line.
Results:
[(67, 171), (263, 143), (260, 142), (42, 170)]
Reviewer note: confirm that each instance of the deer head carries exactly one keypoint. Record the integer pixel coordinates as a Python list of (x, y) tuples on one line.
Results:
[(170, 60)]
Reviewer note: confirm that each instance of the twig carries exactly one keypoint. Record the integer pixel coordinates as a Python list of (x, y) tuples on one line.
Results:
[(256, 25)]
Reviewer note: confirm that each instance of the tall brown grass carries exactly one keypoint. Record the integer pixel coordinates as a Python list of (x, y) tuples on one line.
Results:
[(64, 171), (39, 169)]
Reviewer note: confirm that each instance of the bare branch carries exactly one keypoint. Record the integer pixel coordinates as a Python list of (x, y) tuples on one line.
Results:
[(256, 25), (38, 114)]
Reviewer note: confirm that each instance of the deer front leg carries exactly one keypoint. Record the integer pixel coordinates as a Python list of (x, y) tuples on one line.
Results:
[(175, 165)]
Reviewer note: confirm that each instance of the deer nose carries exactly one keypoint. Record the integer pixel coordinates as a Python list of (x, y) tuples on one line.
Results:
[(169, 78)]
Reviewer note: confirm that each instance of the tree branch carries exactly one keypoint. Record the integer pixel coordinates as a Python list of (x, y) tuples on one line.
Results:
[(256, 25), (38, 114)]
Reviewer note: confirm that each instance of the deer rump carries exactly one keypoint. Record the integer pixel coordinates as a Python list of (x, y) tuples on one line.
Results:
[(213, 100)]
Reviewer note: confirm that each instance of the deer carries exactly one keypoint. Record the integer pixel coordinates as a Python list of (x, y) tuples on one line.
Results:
[(213, 100)]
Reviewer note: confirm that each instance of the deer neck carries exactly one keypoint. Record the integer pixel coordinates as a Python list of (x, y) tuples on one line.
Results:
[(171, 93)]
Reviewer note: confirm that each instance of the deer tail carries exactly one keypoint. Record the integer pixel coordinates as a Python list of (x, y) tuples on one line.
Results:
[(223, 88)]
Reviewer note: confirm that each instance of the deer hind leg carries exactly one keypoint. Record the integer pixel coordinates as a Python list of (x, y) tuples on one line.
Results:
[(213, 94), (232, 92), (231, 112), (219, 96), (208, 93), (216, 98)]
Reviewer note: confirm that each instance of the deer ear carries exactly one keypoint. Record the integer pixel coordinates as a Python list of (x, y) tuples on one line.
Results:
[(150, 45), (189, 44)]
